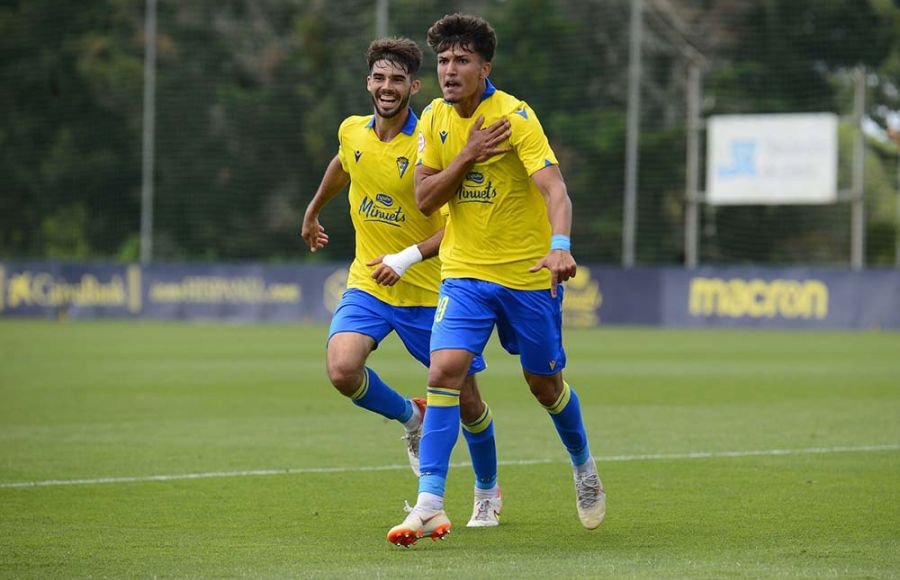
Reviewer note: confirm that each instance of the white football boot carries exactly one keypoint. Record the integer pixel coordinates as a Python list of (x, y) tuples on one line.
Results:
[(590, 499)]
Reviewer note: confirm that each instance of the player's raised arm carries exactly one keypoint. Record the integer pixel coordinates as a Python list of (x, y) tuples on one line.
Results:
[(559, 260), (334, 180), (435, 187)]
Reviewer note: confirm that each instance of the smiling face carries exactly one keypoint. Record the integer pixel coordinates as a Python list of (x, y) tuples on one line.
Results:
[(461, 73), (390, 87)]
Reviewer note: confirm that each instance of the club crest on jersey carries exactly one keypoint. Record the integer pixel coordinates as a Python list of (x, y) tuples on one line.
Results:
[(402, 164), (357, 155), (443, 136)]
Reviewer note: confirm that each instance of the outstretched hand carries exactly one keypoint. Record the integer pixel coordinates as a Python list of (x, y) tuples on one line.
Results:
[(562, 266)]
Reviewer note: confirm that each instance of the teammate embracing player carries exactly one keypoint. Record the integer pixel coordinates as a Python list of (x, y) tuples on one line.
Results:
[(389, 290)]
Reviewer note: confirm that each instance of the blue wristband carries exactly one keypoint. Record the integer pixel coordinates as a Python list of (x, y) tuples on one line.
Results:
[(560, 242)]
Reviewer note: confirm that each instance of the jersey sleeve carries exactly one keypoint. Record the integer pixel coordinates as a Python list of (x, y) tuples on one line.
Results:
[(342, 154), (529, 141), (428, 153)]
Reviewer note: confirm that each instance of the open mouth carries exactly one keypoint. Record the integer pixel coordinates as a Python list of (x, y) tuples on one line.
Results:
[(387, 100)]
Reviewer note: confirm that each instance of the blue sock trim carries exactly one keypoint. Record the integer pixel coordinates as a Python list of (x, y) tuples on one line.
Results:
[(483, 451), (581, 457), (408, 413), (432, 484), (570, 426), (485, 484), (380, 398)]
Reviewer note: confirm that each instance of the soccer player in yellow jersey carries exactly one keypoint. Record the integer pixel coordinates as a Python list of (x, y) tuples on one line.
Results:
[(389, 291), (484, 154)]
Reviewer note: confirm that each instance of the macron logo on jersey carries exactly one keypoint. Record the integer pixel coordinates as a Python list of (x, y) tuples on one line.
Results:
[(357, 154), (443, 136), (523, 112)]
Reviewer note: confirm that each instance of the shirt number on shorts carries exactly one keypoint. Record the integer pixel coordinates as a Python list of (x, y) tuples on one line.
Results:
[(441, 308)]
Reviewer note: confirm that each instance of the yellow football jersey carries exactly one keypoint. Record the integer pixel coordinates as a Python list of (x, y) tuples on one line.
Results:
[(384, 212), (498, 226)]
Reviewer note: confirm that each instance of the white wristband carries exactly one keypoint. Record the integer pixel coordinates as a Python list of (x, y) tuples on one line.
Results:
[(401, 261)]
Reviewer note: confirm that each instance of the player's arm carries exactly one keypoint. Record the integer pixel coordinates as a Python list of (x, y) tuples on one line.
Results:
[(559, 210), (435, 187), (392, 266), (334, 180)]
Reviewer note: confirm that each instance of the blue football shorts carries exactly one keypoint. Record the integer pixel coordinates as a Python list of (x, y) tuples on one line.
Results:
[(360, 312), (529, 322)]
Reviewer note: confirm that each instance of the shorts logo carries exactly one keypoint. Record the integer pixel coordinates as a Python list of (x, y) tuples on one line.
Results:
[(402, 165), (552, 365)]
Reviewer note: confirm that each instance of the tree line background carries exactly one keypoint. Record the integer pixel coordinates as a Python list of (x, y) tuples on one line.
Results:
[(251, 92)]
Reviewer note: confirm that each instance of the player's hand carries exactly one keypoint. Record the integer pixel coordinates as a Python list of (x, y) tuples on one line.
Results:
[(384, 274), (485, 143), (562, 266), (313, 233)]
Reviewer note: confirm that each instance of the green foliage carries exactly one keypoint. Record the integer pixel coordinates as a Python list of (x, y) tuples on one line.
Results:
[(250, 95)]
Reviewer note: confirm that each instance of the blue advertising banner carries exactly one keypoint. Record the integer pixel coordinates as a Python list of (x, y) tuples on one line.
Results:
[(597, 296)]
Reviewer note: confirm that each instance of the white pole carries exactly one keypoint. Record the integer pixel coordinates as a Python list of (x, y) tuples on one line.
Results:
[(631, 141), (381, 18), (149, 133), (858, 205), (692, 185)]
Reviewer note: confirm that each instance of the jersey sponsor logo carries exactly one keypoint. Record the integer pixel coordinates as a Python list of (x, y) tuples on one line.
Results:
[(402, 165), (473, 190), (475, 177), (444, 136), (376, 211), (357, 155), (384, 199)]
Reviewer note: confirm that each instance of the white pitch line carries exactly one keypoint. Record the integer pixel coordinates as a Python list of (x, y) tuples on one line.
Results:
[(302, 470)]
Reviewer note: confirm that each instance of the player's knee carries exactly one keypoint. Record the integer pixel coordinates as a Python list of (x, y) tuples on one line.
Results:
[(345, 378), (470, 406), (546, 389), (444, 377)]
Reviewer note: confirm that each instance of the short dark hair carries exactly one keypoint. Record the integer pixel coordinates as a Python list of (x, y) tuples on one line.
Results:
[(471, 33), (400, 51)]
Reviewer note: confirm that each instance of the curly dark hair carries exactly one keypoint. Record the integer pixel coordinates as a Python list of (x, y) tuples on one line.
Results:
[(471, 33), (400, 51)]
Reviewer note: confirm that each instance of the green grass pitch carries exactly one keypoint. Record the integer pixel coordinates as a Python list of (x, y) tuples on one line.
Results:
[(309, 484)]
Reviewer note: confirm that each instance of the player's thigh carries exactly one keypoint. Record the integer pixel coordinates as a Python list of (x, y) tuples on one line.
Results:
[(449, 368), (464, 318), (359, 323), (530, 325)]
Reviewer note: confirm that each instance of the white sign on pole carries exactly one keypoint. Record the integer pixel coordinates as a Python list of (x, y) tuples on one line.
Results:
[(772, 159)]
